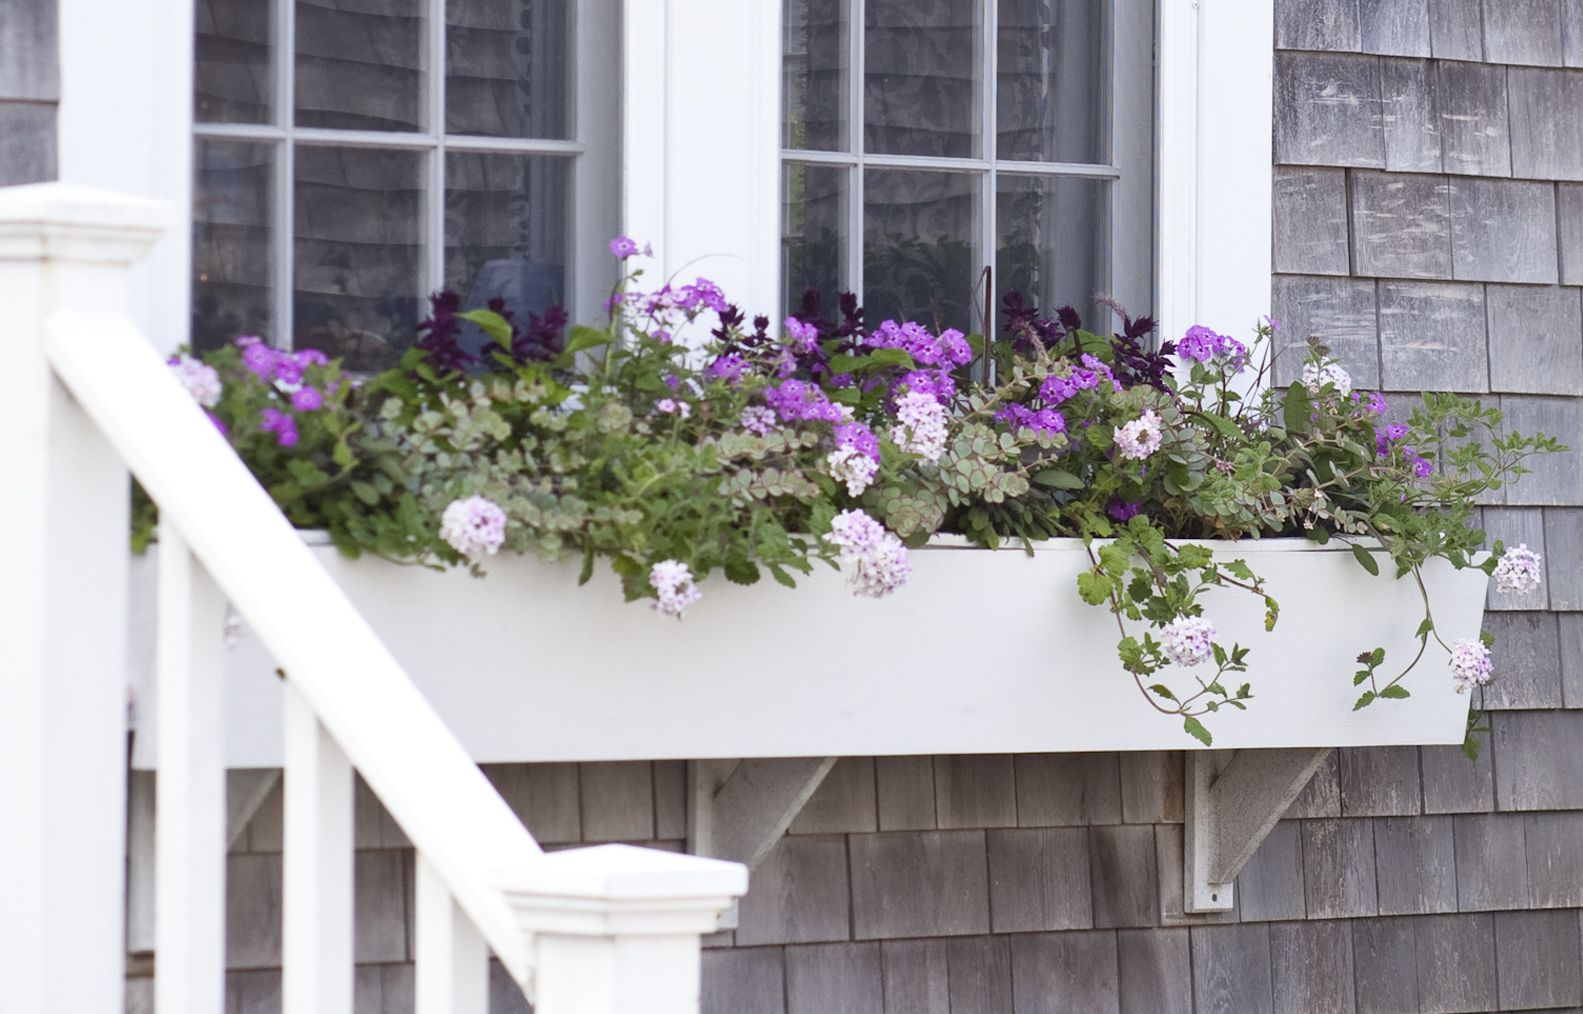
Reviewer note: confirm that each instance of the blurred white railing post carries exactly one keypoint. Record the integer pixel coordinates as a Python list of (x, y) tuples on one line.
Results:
[(65, 256), (617, 929)]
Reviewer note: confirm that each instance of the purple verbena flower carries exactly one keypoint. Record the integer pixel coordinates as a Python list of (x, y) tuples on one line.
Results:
[(1123, 510), (307, 399), (623, 247), (282, 425), (858, 437)]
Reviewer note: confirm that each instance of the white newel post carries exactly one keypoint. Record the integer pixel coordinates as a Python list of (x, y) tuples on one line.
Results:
[(617, 929), (65, 259)]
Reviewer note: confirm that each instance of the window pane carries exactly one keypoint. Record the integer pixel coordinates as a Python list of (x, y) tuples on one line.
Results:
[(232, 275), (360, 64), (813, 243), (1052, 239), (921, 77), (1049, 87), (506, 231), (508, 67), (814, 68), (919, 238), (358, 254), (232, 79)]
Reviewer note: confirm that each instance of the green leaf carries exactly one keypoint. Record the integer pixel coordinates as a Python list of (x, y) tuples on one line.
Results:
[(584, 337), (1360, 676), (1224, 426), (1426, 628), (1163, 691), (1396, 692), (1364, 701), (1319, 535), (1366, 560), (491, 323), (1056, 478), (1196, 729), (1094, 588), (1297, 410)]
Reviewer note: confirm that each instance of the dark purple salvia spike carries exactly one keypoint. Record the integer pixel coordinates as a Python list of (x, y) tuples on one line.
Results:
[(541, 338), (730, 323), (437, 334), (1069, 319)]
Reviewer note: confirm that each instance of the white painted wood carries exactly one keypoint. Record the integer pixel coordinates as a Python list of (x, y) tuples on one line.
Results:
[(452, 961), (1041, 676), (1216, 104), (316, 976), (743, 819), (1233, 800), (616, 929), (189, 909), (65, 254)]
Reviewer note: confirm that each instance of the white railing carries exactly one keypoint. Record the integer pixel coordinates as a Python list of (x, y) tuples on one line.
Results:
[(605, 930)]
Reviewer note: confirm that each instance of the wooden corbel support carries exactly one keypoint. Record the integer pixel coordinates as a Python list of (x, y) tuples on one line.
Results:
[(738, 810), (1233, 801)]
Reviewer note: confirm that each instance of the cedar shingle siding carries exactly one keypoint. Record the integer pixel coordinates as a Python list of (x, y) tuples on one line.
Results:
[(1421, 229), (29, 91)]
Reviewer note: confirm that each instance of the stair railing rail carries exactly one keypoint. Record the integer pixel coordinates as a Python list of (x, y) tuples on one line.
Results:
[(602, 930)]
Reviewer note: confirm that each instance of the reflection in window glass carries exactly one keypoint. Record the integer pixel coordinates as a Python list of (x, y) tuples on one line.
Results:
[(1049, 86), (508, 68), (919, 259), (232, 79), (1051, 238), (360, 64), (358, 253), (921, 74), (814, 75), (506, 230), (813, 241), (231, 252)]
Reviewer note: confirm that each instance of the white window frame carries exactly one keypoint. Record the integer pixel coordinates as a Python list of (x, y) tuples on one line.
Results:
[(1126, 53)]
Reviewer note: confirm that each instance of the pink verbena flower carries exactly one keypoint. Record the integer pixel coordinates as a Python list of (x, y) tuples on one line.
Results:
[(1141, 437), (199, 378), (674, 587), (920, 425), (1317, 375), (758, 419), (852, 467), (1470, 664), (1520, 570), (1188, 640), (474, 527), (877, 559)]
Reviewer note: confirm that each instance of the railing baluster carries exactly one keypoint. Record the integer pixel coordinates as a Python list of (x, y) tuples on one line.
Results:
[(317, 975), (189, 891), (453, 963)]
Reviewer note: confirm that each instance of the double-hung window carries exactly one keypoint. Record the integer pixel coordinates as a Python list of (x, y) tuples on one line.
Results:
[(353, 155), (930, 146)]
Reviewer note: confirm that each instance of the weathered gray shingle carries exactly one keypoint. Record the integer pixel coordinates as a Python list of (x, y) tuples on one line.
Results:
[(975, 791), (1321, 797), (1454, 784), (1528, 650), (1039, 879), (1536, 339), (1379, 781), (1416, 862), (1546, 123), (1572, 32), (1122, 870), (905, 787), (1456, 962), (1555, 859), (1153, 966), (1456, 30), (1270, 886), (382, 905), (1231, 968), (1571, 629), (1327, 110), (1555, 479), (1432, 337), (27, 142), (751, 981), (1540, 766), (1569, 213), (1401, 225), (1053, 973), (1503, 231), (1384, 963), (543, 796), (1338, 868), (1311, 221), (1523, 31), (1516, 526), (252, 911), (917, 977), (1151, 787), (828, 977), (1492, 867), (1536, 959), (919, 883), (1311, 967), (798, 893), (618, 801), (1317, 24), (1564, 542), (1412, 116), (1068, 789), (29, 51), (980, 975), (1395, 27), (1340, 312), (670, 800), (844, 801), (1474, 135)]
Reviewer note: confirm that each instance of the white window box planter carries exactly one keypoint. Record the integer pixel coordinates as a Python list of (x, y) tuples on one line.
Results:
[(981, 652)]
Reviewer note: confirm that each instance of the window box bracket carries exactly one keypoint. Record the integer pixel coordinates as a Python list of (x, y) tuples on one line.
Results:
[(1233, 800)]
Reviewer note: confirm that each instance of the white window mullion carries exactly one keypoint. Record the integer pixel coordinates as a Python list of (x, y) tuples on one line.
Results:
[(987, 126), (434, 178), (855, 188), (284, 239)]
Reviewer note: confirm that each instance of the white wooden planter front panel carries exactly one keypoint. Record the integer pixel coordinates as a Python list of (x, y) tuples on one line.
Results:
[(981, 652)]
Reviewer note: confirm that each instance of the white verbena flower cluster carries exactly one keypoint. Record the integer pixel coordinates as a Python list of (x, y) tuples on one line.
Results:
[(920, 425), (1317, 375), (673, 583), (474, 527), (1188, 640), (1470, 664), (876, 557), (1520, 570), (853, 467), (1141, 437), (199, 378)]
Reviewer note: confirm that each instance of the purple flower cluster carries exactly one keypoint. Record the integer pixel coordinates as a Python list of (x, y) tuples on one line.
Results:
[(1386, 437), (1470, 664), (1374, 404), (1059, 387), (273, 366), (758, 420), (937, 354), (800, 401), (1202, 345), (802, 337), (729, 368), (282, 425), (1045, 420), (1123, 510), (858, 437)]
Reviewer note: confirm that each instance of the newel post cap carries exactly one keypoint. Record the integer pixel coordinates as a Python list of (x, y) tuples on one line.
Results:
[(68, 221)]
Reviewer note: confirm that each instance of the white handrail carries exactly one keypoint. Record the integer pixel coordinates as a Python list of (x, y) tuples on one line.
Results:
[(358, 690)]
